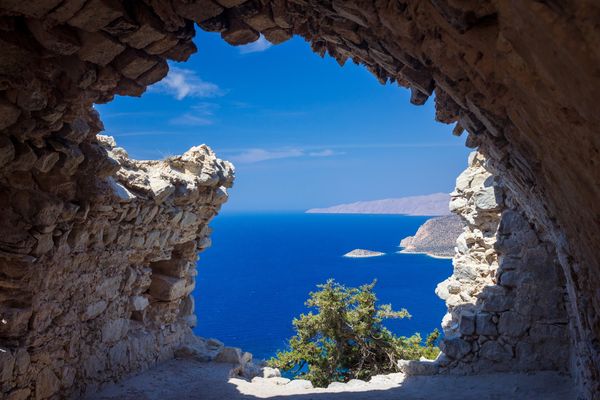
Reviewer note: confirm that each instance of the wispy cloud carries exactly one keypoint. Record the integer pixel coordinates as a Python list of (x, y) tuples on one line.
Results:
[(339, 149), (118, 134), (261, 44), (324, 153), (205, 108), (128, 114), (189, 119), (201, 114), (181, 83), (257, 155)]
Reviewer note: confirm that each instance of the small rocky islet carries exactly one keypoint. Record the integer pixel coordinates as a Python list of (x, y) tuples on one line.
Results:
[(362, 253)]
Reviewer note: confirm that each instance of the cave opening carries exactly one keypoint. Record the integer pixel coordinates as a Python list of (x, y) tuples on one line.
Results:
[(290, 156)]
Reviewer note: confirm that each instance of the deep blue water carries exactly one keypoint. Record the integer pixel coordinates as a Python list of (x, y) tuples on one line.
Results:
[(257, 275)]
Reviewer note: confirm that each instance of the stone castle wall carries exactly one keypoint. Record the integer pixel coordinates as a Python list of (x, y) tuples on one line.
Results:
[(506, 297), (521, 78), (101, 288)]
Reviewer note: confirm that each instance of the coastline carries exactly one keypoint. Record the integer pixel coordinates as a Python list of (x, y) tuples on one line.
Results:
[(404, 251), (376, 255)]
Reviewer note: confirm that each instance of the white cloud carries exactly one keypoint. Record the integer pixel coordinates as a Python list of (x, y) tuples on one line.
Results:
[(181, 83), (189, 119), (324, 153), (205, 108), (257, 155), (261, 44), (201, 114)]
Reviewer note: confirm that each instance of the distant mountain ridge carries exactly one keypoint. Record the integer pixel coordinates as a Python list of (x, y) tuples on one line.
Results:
[(430, 205)]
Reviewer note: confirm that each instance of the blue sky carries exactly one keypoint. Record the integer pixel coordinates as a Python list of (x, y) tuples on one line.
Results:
[(301, 131)]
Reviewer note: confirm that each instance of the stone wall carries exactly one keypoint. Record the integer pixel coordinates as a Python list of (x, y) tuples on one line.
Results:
[(506, 297), (101, 286), (520, 77)]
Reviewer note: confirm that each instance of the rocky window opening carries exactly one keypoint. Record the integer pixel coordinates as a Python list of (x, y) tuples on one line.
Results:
[(97, 250)]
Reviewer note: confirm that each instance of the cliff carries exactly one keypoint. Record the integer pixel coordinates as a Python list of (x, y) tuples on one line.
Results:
[(436, 237), (432, 204)]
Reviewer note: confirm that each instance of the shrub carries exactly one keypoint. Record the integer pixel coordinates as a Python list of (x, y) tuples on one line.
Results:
[(345, 339)]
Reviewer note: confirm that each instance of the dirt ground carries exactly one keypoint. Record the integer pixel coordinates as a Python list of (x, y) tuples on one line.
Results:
[(190, 379)]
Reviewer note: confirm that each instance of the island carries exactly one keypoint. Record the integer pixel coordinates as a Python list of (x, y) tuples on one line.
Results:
[(428, 205), (436, 237), (361, 253)]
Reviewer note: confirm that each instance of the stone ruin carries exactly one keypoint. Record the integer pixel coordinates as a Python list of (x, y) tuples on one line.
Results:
[(506, 297), (97, 251)]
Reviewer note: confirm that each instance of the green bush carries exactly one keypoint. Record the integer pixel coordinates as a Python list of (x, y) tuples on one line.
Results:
[(345, 339)]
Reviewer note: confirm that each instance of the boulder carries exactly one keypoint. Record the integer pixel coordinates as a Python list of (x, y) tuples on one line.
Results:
[(418, 367), (494, 351), (485, 325), (455, 348), (230, 355), (167, 288), (268, 372), (512, 324), (467, 323), (193, 351), (214, 343)]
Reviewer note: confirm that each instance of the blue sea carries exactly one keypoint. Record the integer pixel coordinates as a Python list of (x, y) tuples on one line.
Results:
[(257, 275)]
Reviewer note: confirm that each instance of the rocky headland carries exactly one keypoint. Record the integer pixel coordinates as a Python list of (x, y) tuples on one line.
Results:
[(428, 205), (361, 253), (436, 237)]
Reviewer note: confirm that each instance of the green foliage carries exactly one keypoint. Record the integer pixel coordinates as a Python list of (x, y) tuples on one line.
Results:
[(345, 339)]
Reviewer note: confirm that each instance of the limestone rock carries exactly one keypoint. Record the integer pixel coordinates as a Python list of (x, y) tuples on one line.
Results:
[(114, 330), (455, 348), (467, 323), (275, 380), (436, 237), (299, 384), (512, 324), (230, 355), (494, 351), (167, 288), (95, 309), (46, 384), (418, 367), (485, 325), (268, 372)]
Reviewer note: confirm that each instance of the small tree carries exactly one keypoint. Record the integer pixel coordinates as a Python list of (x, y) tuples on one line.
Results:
[(346, 339)]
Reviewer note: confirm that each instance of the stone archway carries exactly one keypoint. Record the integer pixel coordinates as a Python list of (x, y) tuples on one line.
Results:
[(521, 78)]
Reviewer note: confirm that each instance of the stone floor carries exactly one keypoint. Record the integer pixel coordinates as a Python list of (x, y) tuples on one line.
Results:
[(190, 379)]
